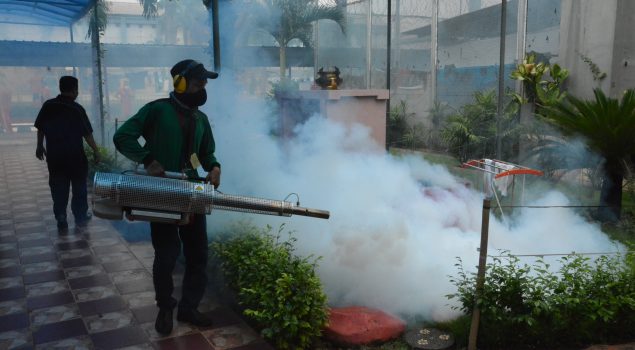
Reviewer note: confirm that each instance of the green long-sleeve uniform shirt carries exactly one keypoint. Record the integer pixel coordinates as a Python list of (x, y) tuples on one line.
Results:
[(164, 126)]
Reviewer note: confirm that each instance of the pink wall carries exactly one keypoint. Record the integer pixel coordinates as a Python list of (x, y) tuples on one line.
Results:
[(366, 107)]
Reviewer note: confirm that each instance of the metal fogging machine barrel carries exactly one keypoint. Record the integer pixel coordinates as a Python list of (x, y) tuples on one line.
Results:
[(171, 199)]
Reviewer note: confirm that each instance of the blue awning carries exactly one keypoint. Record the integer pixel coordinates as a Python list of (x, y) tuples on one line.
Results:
[(43, 12)]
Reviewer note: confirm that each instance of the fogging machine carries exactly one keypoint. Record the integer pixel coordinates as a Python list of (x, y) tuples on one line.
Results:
[(172, 199)]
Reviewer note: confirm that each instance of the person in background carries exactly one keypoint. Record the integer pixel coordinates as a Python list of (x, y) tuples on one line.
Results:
[(5, 110), (178, 137), (63, 124), (125, 98)]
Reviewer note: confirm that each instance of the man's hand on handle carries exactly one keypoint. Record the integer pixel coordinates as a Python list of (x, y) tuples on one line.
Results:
[(213, 177), (155, 169)]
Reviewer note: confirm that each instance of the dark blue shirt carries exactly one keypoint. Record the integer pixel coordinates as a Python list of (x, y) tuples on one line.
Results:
[(64, 124)]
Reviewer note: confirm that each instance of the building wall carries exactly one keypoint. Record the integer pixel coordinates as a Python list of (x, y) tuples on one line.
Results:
[(623, 68), (587, 28)]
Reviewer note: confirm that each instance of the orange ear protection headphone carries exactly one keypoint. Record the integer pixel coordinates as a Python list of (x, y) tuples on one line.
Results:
[(179, 81)]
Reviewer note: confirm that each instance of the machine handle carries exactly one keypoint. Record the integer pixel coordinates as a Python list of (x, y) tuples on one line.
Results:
[(169, 174)]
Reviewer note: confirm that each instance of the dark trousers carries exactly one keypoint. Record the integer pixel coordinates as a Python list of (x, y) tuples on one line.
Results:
[(167, 240), (63, 176)]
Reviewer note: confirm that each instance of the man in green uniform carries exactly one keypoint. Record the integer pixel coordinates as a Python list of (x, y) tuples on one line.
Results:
[(177, 134)]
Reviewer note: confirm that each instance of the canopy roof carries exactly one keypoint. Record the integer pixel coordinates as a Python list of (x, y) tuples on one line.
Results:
[(43, 12)]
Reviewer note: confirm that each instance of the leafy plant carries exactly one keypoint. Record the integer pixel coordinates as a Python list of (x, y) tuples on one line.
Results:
[(403, 130), (471, 132), (106, 164), (598, 75), (526, 306), (538, 89), (607, 126), (278, 290)]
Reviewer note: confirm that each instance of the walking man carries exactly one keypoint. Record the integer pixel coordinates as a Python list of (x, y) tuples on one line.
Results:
[(63, 124)]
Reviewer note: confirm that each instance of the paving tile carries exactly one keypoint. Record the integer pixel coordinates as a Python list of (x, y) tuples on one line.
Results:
[(90, 281), (102, 306), (145, 314), (81, 244), (11, 262), (109, 321), (37, 258), (119, 338), (94, 293), (14, 321), (130, 275), (231, 337), (46, 276), (83, 271), (11, 282), (110, 249), (82, 342), (117, 257), (72, 254), (54, 299), (178, 330), (81, 261), (223, 316), (35, 250), (46, 288), (32, 236), (40, 267), (25, 230), (9, 253), (20, 339), (146, 346), (8, 239), (142, 249), (143, 285), (122, 265), (140, 299), (101, 242), (190, 341), (261, 345), (60, 330), (54, 314), (12, 293), (6, 222), (12, 307), (39, 242)]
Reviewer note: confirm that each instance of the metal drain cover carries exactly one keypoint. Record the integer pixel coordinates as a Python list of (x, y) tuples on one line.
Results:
[(429, 338)]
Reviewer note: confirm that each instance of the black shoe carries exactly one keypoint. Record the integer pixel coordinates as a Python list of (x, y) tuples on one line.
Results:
[(84, 221), (194, 317), (62, 226), (163, 324)]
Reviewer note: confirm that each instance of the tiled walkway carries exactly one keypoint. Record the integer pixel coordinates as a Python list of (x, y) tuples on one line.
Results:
[(88, 289)]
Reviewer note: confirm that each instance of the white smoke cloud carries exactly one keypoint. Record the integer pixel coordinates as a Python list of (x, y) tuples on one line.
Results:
[(397, 224)]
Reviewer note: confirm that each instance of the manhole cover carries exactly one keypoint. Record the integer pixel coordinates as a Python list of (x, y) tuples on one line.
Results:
[(429, 338)]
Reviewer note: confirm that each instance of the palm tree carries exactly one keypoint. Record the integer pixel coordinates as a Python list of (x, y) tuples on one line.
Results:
[(608, 126), (286, 20)]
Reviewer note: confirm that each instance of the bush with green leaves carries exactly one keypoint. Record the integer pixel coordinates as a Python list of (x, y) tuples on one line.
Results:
[(471, 132), (532, 307), (107, 161), (277, 289)]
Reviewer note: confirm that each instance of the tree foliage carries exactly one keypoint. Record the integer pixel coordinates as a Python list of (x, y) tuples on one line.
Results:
[(607, 126), (286, 20)]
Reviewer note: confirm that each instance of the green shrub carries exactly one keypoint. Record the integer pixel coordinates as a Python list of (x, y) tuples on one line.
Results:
[(106, 164), (277, 289), (526, 306)]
